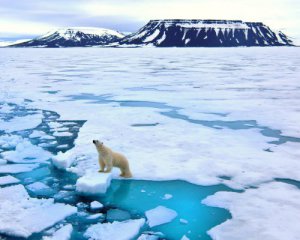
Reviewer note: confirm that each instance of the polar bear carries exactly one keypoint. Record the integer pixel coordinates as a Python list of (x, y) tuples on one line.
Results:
[(109, 159)]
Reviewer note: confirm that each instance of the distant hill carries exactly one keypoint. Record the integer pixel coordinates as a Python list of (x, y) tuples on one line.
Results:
[(206, 33), (74, 37)]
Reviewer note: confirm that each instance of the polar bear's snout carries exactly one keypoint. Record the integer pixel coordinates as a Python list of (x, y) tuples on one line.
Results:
[(94, 141)]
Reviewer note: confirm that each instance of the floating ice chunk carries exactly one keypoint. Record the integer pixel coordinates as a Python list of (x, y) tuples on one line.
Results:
[(167, 196), (8, 180), (269, 212), (63, 233), (25, 153), (117, 215), (95, 216), (95, 205), (38, 187), (5, 108), (151, 236), (62, 161), (62, 134), (160, 215), (22, 216), (37, 134), (10, 141), (64, 146), (96, 183), (49, 144), (183, 221), (117, 230), (17, 168), (184, 238), (47, 137), (21, 123), (3, 162)]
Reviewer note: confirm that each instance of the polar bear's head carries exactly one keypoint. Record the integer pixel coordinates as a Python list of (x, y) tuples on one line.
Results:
[(99, 145)]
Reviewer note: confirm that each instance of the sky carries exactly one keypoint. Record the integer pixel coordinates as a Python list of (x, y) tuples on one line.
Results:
[(29, 18)]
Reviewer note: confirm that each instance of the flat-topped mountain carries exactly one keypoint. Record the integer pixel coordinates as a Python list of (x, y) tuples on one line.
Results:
[(74, 37), (206, 33)]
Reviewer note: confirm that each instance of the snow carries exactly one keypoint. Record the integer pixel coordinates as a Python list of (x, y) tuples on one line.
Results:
[(63, 233), (160, 215), (167, 196), (71, 31), (270, 212), (37, 186), (22, 216), (17, 168), (8, 180), (95, 205), (26, 152), (94, 183), (62, 134), (125, 230), (21, 123), (9, 141), (151, 37)]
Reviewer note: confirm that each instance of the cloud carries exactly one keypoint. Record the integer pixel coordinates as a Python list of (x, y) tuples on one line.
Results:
[(36, 17)]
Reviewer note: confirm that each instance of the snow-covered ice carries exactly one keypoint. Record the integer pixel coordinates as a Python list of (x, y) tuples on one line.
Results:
[(22, 216), (37, 187), (95, 205), (64, 233), (8, 180), (226, 116), (160, 215), (96, 183), (271, 212), (167, 196), (17, 168), (26, 152), (125, 230), (21, 123)]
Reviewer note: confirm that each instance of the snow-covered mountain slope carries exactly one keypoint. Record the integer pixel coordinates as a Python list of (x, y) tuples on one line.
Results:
[(74, 37), (206, 33)]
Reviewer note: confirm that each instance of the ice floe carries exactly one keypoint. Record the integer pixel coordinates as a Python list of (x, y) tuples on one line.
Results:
[(64, 233), (95, 205), (8, 180), (21, 123), (17, 168), (26, 152), (22, 216), (160, 215), (125, 230), (270, 212), (94, 183)]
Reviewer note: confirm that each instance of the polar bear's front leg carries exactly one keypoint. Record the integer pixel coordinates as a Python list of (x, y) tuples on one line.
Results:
[(102, 165), (108, 168)]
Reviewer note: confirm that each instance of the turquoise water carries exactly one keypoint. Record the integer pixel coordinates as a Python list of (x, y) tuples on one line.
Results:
[(140, 196)]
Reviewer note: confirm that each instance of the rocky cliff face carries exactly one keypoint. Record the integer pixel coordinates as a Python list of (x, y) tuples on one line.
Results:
[(206, 33)]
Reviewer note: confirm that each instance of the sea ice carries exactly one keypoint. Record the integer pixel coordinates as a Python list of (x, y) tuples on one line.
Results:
[(270, 212), (26, 152), (21, 123), (38, 187), (95, 205), (167, 196), (94, 183), (117, 230), (22, 216), (17, 168), (8, 180), (64, 233), (160, 215)]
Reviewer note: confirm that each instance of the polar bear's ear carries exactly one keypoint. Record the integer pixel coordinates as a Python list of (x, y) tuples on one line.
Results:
[(101, 143)]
